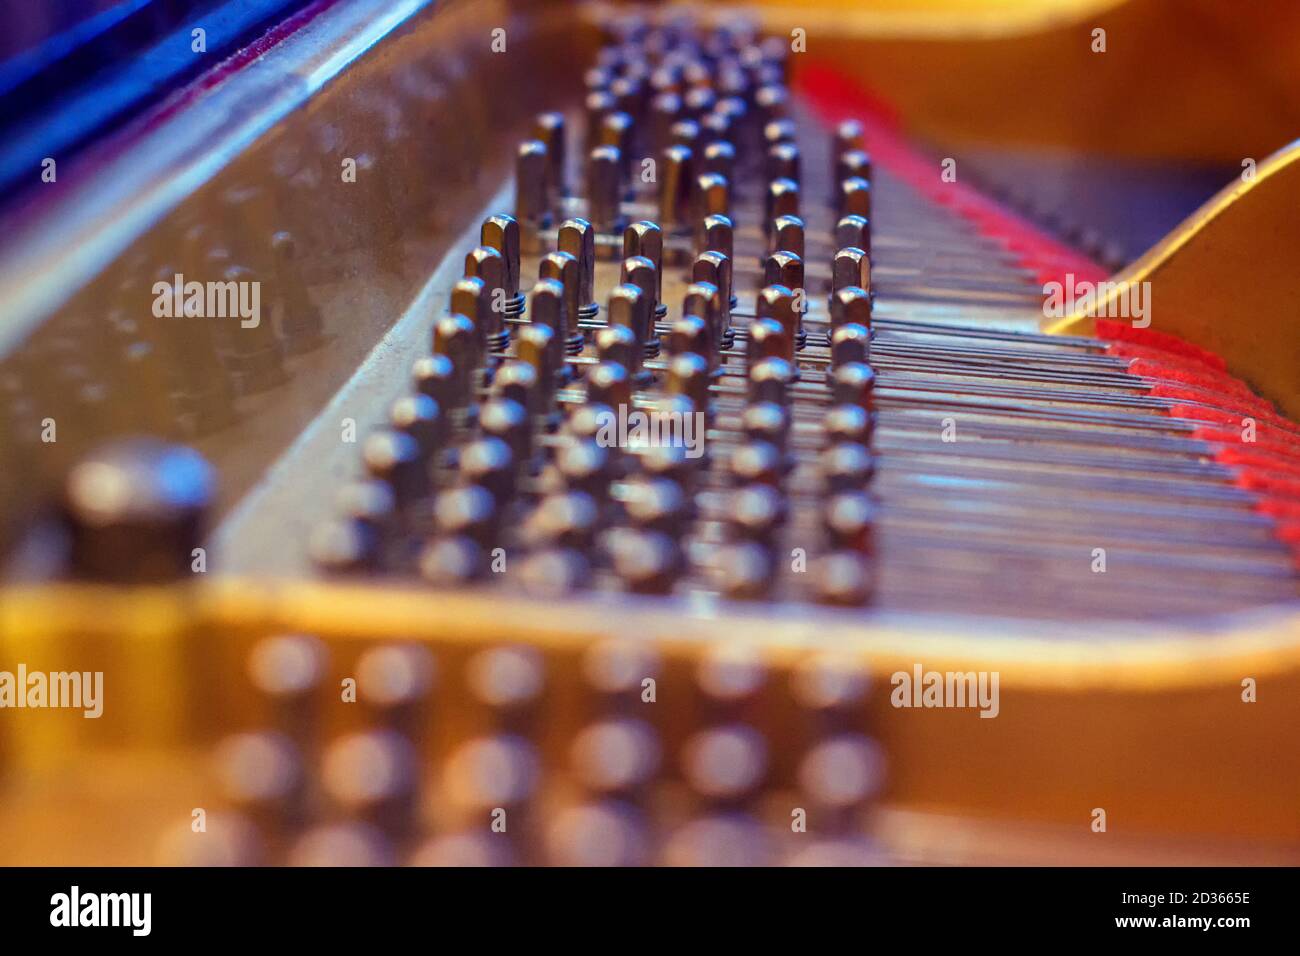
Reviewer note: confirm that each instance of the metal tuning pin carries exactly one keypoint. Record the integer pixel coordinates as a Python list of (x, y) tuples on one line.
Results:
[(854, 198), (134, 511), (605, 189), (770, 380), (394, 458), (675, 179), (786, 269), (456, 337), (851, 305), (688, 375), (420, 417), (850, 342), (765, 339), (488, 264), (777, 301), (848, 135), (501, 232), (686, 132), (716, 233), (850, 164), (610, 384), (720, 158), (782, 162), (646, 239), (598, 104), (853, 383), (714, 268), (704, 299), (549, 130), (532, 194), (546, 310), (577, 237), (787, 235), (781, 199), (712, 197), (616, 130), (563, 268), (665, 111), (853, 230), (640, 272), (850, 267), (629, 308)]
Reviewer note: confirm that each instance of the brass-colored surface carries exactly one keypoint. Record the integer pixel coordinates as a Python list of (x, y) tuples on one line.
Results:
[(1225, 280), (1149, 725), (1179, 79)]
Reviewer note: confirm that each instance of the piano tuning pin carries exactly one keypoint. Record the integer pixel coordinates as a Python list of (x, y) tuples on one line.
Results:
[(630, 308), (851, 304), (848, 520), (501, 232), (777, 302), (850, 164), (846, 467), (647, 239), (532, 192), (563, 267), (786, 269), (850, 342), (765, 338), (489, 462), (767, 421), (720, 158), (686, 133), (629, 96), (618, 343), (848, 423), (452, 561), (717, 128), (617, 130), (605, 189), (704, 299), (781, 199), (843, 578), (772, 102), (746, 571), (647, 562), (135, 509), (554, 572), (787, 235), (665, 111), (598, 104), (688, 372), (610, 384), (394, 458), (546, 310), (782, 162), (470, 298), (640, 272), (848, 136), (529, 379), (468, 511), (699, 102), (853, 230), (577, 237), (435, 376), (456, 337), (712, 196), (853, 383), (771, 379), (714, 268), (854, 198), (851, 267), (420, 417), (675, 179), (779, 131), (549, 130), (509, 421), (488, 264)]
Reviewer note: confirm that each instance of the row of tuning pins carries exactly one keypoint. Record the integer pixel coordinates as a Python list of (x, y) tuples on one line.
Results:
[(371, 795)]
